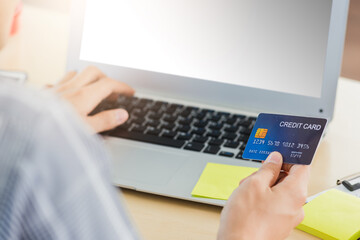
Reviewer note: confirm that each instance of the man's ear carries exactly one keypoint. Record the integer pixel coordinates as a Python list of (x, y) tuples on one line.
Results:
[(16, 20)]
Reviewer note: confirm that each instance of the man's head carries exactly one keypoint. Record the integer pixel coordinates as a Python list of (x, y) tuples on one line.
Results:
[(7, 12)]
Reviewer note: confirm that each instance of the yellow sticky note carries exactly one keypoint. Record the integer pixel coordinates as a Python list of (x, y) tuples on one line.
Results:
[(218, 181), (333, 215)]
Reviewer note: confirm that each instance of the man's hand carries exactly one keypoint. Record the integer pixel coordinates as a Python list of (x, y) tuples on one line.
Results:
[(267, 204), (87, 89)]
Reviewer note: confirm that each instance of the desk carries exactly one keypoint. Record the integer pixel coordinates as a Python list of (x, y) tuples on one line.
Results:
[(164, 218)]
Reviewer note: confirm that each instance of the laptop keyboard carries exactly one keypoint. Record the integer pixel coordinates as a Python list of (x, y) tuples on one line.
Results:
[(183, 127)]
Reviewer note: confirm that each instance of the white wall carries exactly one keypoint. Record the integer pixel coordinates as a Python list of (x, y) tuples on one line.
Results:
[(58, 5)]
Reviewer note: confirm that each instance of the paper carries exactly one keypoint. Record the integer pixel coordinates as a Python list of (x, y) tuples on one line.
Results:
[(218, 181), (333, 215)]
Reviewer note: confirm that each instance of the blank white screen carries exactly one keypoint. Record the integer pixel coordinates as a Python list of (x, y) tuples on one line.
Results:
[(277, 45)]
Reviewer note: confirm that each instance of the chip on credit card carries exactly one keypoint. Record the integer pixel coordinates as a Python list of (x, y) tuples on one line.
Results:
[(296, 138)]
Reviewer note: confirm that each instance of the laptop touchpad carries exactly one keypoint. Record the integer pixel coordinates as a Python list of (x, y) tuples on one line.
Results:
[(143, 164)]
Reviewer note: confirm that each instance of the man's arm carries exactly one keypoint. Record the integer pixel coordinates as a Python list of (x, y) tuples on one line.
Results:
[(54, 179)]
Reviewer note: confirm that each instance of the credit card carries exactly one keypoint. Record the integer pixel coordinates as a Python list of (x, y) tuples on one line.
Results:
[(296, 138)]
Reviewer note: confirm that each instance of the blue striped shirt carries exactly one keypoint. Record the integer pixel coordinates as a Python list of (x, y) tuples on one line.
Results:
[(54, 176)]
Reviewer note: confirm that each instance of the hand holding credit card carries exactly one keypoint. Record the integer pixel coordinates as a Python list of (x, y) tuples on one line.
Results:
[(296, 138)]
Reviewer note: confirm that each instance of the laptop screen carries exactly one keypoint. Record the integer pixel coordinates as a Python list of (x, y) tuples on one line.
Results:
[(277, 45)]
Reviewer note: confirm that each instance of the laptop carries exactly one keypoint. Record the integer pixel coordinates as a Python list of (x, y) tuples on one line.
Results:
[(203, 71)]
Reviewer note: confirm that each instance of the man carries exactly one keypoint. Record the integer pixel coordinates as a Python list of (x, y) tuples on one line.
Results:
[(54, 179)]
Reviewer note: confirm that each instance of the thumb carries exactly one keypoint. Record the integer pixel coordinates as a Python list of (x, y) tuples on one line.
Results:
[(107, 120), (270, 170)]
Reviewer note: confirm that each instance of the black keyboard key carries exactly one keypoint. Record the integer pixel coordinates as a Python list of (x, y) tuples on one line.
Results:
[(216, 126), (170, 119), (232, 144), (160, 103), (194, 109), (239, 156), (216, 142), (137, 128), (239, 116), (198, 131), (226, 154), (170, 110), (138, 121), (245, 123), (153, 131), (123, 100), (225, 114), (168, 126), (153, 123), (200, 124), (229, 136), (185, 113), (245, 130), (157, 106), (194, 146), (185, 121), (200, 139), (155, 116), (207, 111), (213, 133), (212, 149), (184, 136), (183, 128), (175, 105), (231, 129), (231, 120), (243, 137), (200, 115), (142, 103), (169, 134), (215, 118), (242, 147), (173, 108), (138, 113), (147, 138)]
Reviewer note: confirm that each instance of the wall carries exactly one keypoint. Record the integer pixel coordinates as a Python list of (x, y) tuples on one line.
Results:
[(351, 60)]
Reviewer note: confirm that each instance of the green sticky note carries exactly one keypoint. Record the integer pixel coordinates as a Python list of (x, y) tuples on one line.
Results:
[(218, 181), (333, 215)]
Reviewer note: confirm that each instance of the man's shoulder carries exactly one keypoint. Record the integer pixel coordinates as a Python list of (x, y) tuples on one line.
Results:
[(21, 102), (23, 111)]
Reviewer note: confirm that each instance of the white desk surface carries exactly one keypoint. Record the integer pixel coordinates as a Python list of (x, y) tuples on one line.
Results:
[(40, 49)]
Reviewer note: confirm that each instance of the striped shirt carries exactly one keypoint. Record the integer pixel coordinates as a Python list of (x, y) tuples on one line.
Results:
[(54, 175)]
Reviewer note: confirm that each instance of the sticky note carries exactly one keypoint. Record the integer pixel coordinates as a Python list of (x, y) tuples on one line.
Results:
[(218, 181), (333, 215)]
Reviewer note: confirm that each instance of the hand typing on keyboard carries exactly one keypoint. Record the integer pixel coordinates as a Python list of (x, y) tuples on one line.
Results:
[(87, 89), (267, 204)]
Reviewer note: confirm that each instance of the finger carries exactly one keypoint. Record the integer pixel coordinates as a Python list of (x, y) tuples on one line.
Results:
[(286, 167), (67, 77), (244, 179), (102, 89), (297, 179), (89, 75), (270, 169), (281, 177), (300, 217), (107, 120)]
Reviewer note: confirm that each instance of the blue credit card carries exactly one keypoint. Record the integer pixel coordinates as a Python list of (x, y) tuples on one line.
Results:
[(296, 138)]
